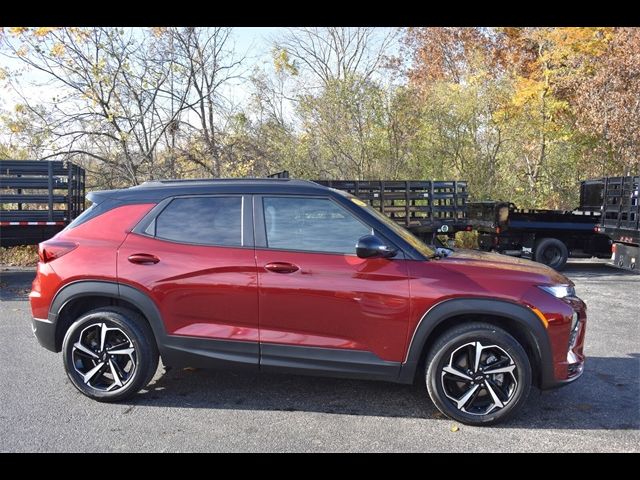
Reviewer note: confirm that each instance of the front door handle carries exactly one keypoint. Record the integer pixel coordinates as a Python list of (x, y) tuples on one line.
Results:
[(281, 267), (143, 258)]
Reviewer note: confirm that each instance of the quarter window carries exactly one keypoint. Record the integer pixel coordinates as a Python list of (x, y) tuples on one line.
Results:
[(202, 220), (311, 224)]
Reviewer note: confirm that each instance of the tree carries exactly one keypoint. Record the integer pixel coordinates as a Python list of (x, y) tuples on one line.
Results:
[(607, 98), (206, 63), (330, 54), (112, 101)]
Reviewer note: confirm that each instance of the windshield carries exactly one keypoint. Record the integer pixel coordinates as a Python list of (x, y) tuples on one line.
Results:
[(406, 235)]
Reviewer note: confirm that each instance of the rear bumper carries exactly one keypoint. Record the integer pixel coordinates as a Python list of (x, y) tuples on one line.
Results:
[(45, 331)]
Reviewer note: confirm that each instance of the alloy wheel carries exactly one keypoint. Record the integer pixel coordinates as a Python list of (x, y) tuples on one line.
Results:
[(104, 357), (479, 379)]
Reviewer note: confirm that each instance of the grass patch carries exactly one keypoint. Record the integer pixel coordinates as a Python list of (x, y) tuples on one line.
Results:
[(467, 239), (21, 256)]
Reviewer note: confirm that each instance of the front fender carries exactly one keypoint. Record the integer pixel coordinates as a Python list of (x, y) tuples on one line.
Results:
[(522, 317)]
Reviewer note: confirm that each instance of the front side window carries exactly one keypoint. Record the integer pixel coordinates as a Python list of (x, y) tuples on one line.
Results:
[(202, 220), (311, 224)]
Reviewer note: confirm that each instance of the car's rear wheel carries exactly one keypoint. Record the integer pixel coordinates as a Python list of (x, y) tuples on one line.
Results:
[(110, 354), (478, 374)]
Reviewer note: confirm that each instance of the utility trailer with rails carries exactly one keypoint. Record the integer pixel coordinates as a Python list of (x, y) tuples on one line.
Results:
[(426, 208), (38, 199), (621, 220), (546, 236)]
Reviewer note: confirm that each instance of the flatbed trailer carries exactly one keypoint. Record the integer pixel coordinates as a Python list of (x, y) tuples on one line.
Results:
[(621, 220), (38, 199), (546, 236), (427, 208)]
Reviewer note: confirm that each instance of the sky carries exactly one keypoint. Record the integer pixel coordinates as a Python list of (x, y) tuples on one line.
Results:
[(255, 42)]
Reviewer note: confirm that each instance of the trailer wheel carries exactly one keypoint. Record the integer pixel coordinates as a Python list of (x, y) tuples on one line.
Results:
[(552, 252)]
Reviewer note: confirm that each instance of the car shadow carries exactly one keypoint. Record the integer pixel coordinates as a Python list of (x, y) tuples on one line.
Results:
[(607, 397)]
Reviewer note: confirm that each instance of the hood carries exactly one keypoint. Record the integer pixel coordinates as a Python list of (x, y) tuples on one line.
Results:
[(496, 262)]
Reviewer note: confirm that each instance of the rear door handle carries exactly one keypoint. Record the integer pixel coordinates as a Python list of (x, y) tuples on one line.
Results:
[(281, 267), (143, 258)]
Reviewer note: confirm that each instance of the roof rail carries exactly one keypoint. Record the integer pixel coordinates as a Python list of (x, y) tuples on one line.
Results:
[(206, 181)]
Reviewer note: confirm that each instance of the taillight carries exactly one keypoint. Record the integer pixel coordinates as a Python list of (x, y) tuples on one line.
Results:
[(52, 249)]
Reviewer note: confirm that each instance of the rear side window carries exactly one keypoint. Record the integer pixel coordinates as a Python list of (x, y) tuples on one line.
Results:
[(202, 220), (311, 224), (88, 214)]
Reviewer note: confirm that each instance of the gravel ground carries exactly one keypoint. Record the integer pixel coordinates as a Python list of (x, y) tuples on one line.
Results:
[(198, 410)]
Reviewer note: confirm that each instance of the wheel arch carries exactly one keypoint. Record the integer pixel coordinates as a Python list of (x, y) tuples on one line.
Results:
[(516, 319), (82, 296)]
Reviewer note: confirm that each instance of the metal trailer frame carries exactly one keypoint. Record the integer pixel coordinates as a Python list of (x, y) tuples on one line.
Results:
[(57, 186)]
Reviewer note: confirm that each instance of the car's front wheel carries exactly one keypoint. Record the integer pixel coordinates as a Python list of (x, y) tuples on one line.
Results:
[(110, 354), (478, 374)]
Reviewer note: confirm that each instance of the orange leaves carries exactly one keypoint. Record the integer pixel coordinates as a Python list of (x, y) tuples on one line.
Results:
[(158, 31)]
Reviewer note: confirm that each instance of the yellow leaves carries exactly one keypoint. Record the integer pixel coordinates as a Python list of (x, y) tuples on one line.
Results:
[(57, 50), (15, 127), (19, 108), (42, 32), (526, 90), (3, 73), (590, 41), (283, 63), (22, 51), (18, 30), (80, 34)]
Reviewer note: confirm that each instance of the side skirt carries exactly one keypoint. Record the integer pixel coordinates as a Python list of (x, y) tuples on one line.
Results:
[(316, 361), (330, 362)]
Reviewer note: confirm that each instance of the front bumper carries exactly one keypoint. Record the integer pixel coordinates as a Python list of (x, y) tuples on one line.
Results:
[(568, 355), (45, 331)]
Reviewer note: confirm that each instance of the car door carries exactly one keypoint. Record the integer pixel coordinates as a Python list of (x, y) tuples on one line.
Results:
[(194, 257), (321, 307)]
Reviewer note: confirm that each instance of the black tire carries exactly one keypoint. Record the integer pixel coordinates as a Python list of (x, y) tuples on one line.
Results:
[(125, 329), (455, 345), (552, 252)]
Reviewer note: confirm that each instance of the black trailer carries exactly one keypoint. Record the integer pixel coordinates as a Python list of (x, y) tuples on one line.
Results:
[(38, 199), (427, 208), (621, 220), (546, 236)]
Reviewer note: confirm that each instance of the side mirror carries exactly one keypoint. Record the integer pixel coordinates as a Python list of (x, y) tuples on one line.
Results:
[(371, 246)]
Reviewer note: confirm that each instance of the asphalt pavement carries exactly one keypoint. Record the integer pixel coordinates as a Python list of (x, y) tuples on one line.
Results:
[(200, 410)]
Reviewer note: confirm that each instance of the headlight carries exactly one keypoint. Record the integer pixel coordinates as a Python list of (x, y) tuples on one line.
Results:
[(574, 321), (559, 291)]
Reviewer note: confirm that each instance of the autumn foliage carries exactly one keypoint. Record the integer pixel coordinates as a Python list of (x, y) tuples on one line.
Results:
[(524, 114)]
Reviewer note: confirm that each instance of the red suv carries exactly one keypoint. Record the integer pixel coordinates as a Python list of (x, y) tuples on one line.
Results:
[(287, 275)]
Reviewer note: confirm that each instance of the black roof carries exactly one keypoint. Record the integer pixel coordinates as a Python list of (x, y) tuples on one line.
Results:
[(159, 189)]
